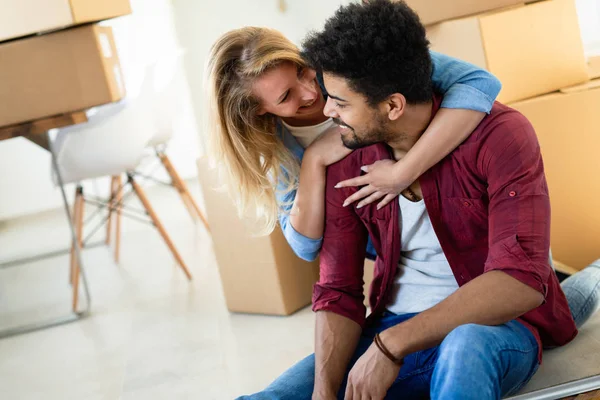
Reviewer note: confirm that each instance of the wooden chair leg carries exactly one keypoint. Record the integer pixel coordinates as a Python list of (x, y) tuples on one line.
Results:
[(142, 196), (180, 189), (111, 202), (79, 232), (183, 190), (73, 260), (118, 198)]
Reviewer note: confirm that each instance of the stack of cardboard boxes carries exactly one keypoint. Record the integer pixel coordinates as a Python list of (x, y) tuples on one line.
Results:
[(536, 51), (54, 59)]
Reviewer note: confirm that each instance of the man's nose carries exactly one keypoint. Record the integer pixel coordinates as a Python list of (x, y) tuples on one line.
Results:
[(329, 109)]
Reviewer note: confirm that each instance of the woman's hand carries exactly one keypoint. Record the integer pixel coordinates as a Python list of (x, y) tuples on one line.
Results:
[(328, 148), (385, 178)]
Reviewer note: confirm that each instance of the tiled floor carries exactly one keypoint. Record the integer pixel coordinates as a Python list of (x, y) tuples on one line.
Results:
[(152, 334)]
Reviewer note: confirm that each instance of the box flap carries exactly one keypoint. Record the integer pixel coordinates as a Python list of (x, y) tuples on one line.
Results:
[(435, 11), (25, 17), (94, 10), (582, 87), (540, 53)]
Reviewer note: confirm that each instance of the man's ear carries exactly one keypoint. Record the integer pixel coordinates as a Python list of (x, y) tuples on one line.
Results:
[(396, 105)]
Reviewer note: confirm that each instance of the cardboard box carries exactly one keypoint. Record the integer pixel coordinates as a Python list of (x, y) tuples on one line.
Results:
[(433, 11), (259, 275), (26, 17), (60, 72), (567, 125), (533, 49)]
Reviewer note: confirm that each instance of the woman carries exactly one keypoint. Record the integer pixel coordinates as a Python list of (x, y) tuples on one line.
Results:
[(267, 125)]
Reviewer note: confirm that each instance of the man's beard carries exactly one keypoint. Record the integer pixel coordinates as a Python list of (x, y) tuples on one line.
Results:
[(370, 137)]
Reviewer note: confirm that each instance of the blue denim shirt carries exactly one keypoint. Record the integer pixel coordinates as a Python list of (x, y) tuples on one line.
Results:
[(463, 86)]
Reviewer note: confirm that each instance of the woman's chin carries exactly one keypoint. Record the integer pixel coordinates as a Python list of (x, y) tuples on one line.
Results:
[(313, 110)]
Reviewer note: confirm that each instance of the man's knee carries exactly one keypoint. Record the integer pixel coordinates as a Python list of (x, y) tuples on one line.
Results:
[(466, 368), (464, 342)]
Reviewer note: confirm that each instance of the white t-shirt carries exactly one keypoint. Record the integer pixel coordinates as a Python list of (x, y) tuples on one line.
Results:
[(424, 277), (307, 134)]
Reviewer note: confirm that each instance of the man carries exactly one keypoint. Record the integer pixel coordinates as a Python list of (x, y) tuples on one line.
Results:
[(463, 298)]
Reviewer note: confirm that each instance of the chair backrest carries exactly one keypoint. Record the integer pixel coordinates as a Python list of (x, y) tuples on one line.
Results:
[(112, 141)]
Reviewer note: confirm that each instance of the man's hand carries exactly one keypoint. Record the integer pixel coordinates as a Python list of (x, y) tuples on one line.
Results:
[(371, 376)]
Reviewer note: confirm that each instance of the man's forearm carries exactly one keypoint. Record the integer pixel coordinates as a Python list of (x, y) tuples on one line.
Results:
[(493, 298), (336, 338)]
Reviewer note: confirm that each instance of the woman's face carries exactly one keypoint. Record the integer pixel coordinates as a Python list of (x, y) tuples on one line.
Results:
[(289, 91)]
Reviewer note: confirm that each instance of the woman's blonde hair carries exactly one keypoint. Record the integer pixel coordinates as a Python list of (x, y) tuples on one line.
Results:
[(244, 145)]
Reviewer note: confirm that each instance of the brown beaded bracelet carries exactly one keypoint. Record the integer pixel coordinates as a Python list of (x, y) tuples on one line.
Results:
[(385, 351)]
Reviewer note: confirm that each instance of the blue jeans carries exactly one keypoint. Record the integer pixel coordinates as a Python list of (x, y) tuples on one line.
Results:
[(473, 362), (582, 291)]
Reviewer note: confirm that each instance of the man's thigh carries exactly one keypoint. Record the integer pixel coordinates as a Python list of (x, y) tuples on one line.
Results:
[(484, 362)]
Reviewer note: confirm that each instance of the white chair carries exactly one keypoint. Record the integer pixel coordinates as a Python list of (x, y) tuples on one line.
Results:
[(166, 105), (111, 143)]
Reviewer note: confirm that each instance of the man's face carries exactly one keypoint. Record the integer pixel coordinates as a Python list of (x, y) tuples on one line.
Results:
[(363, 125)]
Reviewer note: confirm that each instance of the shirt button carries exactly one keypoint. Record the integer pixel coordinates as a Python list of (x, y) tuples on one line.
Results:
[(512, 193), (466, 204)]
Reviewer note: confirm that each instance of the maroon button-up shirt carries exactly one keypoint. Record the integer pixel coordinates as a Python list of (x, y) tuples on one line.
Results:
[(489, 206)]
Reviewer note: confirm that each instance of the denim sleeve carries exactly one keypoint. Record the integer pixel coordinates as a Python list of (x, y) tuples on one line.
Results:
[(304, 247), (463, 85)]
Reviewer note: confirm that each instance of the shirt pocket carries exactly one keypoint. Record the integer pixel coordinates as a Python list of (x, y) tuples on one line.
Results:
[(372, 214), (468, 220)]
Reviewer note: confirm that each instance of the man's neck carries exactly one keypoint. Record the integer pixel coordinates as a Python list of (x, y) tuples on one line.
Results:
[(411, 126)]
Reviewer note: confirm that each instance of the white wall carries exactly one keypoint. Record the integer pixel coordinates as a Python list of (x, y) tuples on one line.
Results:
[(589, 23)]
